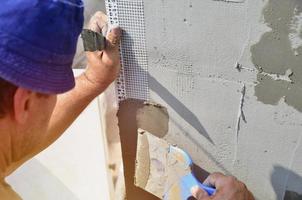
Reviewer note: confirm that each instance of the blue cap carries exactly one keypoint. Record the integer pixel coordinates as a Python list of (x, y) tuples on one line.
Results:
[(38, 40)]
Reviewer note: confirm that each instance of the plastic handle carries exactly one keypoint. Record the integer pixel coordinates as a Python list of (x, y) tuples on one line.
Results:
[(189, 181)]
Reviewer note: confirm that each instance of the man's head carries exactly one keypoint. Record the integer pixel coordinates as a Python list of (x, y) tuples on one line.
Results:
[(24, 117), (37, 45)]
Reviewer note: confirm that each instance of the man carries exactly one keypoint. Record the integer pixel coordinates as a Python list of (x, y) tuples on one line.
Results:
[(39, 97)]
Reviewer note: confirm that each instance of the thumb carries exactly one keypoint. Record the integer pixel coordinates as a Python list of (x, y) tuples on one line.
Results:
[(98, 22), (113, 38), (199, 193)]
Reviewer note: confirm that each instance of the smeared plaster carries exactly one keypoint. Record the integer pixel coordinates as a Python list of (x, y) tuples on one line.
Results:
[(142, 161), (277, 54), (165, 168), (154, 151), (279, 77), (132, 115)]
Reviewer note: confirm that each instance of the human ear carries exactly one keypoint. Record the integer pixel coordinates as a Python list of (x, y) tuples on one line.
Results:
[(21, 104)]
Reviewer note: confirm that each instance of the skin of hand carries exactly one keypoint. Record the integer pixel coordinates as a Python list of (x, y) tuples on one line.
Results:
[(62, 110), (103, 66), (227, 188)]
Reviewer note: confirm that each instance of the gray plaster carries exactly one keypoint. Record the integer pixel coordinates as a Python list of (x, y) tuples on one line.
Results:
[(194, 50), (274, 54)]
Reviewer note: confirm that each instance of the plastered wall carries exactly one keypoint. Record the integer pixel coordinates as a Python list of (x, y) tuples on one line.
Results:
[(230, 74)]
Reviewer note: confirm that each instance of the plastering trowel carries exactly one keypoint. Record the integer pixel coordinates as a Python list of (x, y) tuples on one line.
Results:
[(163, 169)]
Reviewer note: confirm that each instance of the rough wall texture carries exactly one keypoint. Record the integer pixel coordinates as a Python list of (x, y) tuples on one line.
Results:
[(230, 74)]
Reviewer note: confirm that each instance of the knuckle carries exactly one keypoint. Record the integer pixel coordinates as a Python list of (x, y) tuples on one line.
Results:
[(99, 17), (231, 180), (218, 173), (99, 13), (113, 42), (109, 63), (242, 186)]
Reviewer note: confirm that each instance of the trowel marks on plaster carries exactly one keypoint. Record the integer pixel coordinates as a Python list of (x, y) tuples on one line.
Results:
[(150, 173), (132, 115), (158, 169), (278, 52)]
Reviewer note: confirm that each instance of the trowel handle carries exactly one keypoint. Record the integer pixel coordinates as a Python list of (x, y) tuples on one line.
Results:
[(189, 181), (184, 188), (208, 189)]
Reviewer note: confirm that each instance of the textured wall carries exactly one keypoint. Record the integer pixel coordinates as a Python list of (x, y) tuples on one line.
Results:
[(230, 74)]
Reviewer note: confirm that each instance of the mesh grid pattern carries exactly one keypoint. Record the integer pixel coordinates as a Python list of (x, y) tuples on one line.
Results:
[(133, 79)]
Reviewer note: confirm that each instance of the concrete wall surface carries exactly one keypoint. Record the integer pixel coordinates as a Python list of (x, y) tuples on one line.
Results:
[(230, 74)]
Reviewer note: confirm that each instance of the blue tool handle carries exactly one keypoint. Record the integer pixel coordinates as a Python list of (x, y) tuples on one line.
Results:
[(189, 181), (208, 189)]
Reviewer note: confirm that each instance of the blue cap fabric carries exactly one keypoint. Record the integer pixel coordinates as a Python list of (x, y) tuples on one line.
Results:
[(38, 41)]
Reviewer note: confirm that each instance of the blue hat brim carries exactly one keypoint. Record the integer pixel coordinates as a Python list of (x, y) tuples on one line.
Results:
[(38, 42), (35, 76)]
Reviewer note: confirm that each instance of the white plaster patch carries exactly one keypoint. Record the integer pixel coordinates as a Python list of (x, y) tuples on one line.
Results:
[(278, 77), (296, 29)]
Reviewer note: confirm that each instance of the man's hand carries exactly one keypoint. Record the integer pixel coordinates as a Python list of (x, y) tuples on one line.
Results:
[(103, 66), (227, 188)]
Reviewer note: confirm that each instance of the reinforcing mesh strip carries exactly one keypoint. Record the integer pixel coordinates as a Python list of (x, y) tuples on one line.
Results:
[(133, 79)]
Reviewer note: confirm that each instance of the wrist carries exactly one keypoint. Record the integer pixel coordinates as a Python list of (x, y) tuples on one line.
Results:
[(90, 84)]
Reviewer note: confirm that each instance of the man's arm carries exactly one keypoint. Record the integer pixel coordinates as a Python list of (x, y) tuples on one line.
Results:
[(102, 70)]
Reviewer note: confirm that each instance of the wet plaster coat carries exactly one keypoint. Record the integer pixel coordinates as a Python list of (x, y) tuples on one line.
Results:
[(230, 75)]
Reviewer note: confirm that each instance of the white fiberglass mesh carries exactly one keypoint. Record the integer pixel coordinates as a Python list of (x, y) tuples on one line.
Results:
[(133, 79)]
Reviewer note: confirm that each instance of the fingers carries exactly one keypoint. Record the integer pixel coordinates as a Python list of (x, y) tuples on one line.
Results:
[(111, 55), (199, 193), (250, 196), (98, 22), (227, 188), (113, 38), (212, 179)]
